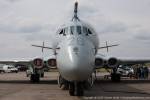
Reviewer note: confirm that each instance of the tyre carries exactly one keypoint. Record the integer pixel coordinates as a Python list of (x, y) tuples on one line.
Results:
[(115, 77), (72, 89), (34, 77), (42, 75)]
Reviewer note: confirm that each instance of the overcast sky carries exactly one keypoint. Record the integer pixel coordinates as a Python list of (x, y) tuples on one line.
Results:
[(26, 22)]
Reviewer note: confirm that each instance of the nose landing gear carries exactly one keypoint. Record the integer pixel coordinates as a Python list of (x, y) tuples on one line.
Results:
[(76, 89), (62, 83), (115, 77), (35, 77)]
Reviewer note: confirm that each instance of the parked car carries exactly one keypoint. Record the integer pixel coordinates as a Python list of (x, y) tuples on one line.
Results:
[(125, 70), (22, 68), (8, 69)]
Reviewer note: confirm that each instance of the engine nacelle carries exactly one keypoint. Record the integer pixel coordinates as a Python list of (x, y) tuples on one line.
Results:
[(99, 62), (38, 63), (113, 62), (51, 62)]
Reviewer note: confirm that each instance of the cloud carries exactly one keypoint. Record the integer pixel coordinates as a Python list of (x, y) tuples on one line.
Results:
[(113, 28), (7, 28), (11, 0), (143, 35), (23, 22), (22, 26), (37, 37), (97, 18)]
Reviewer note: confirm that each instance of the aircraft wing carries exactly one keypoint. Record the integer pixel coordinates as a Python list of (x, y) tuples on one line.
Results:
[(124, 61), (133, 60), (114, 61), (51, 62)]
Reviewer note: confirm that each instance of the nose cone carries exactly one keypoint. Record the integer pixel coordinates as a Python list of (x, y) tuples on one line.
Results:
[(77, 63)]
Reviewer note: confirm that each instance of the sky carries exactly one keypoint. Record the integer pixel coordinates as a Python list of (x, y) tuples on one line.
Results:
[(26, 22)]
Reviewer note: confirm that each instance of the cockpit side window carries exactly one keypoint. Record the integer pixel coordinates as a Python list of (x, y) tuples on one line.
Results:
[(66, 30), (62, 31), (89, 31), (64, 34), (79, 29), (85, 30)]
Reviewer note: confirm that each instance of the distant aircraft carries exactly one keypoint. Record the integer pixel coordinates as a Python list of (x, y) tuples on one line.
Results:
[(76, 57)]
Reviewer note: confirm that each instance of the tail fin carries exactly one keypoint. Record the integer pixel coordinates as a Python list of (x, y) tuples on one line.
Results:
[(75, 17)]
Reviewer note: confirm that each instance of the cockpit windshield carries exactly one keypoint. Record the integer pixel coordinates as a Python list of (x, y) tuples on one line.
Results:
[(76, 29), (79, 29), (85, 30), (89, 31), (72, 30)]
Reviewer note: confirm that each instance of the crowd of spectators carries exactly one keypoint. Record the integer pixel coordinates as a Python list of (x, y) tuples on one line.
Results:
[(141, 72)]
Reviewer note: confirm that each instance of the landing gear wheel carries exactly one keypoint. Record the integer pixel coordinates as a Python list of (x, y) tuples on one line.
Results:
[(42, 74), (79, 91), (72, 89), (115, 77), (88, 83), (35, 77), (76, 89)]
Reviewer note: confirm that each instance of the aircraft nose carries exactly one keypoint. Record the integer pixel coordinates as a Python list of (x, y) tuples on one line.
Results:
[(79, 65), (78, 62)]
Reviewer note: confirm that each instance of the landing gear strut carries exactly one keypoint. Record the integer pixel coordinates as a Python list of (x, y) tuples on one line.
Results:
[(42, 74), (89, 83), (115, 77), (63, 84), (76, 89)]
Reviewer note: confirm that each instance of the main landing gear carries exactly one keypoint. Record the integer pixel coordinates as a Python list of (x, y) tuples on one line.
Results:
[(115, 77), (35, 77)]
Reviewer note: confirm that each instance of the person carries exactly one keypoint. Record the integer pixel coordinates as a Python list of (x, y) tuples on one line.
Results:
[(146, 72), (138, 72), (135, 71), (141, 72)]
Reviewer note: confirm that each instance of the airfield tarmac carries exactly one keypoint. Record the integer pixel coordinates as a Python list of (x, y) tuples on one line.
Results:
[(16, 86)]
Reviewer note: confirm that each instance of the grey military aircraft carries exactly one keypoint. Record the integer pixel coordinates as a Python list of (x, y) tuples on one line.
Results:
[(76, 57)]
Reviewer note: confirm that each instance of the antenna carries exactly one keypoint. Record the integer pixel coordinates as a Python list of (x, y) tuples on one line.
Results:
[(43, 46), (108, 46), (43, 49)]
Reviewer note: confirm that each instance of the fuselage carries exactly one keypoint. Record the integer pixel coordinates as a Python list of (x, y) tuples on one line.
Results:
[(78, 44)]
